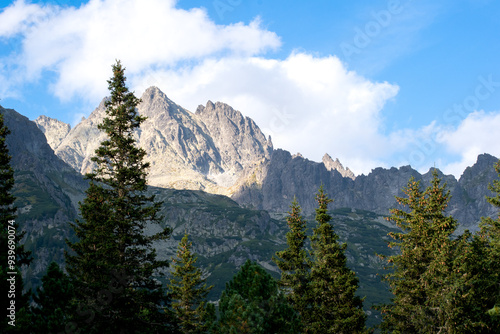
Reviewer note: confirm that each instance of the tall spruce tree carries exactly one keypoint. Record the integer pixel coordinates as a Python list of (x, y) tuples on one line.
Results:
[(12, 252), (113, 263), (425, 233), (188, 291), (53, 300), (437, 281), (295, 264), (490, 229), (252, 303), (470, 288), (336, 308)]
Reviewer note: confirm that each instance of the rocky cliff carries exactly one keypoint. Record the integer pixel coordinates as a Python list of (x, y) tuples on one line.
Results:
[(218, 150), (209, 150), (47, 191), (54, 130), (285, 176)]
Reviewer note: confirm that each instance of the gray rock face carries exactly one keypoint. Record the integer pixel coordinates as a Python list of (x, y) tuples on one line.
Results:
[(47, 192), (218, 150), (210, 150), (54, 130), (238, 139), (336, 165), (285, 176)]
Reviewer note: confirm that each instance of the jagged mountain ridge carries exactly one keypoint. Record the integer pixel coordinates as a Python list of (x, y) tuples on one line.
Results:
[(47, 191), (218, 150), (224, 232), (286, 176), (208, 150)]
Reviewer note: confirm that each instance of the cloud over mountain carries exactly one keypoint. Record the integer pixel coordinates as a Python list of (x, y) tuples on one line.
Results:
[(307, 102)]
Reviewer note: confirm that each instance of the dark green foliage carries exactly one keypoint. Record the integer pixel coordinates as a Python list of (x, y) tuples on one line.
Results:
[(335, 308), (189, 291), (490, 229), (470, 288), (252, 303), (113, 262), (51, 313), (12, 253), (294, 263), (439, 284)]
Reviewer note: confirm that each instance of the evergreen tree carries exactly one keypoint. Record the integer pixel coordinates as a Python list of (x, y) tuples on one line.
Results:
[(437, 281), (12, 252), (490, 229), (470, 288), (51, 313), (294, 263), (336, 308), (189, 292), (252, 303), (113, 263), (411, 282)]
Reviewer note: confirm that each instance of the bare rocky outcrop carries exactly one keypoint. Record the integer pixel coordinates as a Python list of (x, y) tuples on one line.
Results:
[(209, 150), (286, 176), (54, 130), (220, 151), (336, 165)]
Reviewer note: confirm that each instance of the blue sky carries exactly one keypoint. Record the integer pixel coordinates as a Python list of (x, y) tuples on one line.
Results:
[(374, 83)]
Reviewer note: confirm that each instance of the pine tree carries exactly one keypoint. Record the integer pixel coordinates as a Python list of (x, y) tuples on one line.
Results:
[(437, 281), (113, 263), (12, 252), (51, 313), (189, 291), (252, 303), (411, 280), (490, 229), (294, 263), (336, 308), (470, 287)]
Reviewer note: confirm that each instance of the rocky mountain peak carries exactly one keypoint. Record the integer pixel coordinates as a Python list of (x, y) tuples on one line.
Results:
[(212, 150), (54, 130), (484, 162), (336, 165), (239, 138), (155, 101)]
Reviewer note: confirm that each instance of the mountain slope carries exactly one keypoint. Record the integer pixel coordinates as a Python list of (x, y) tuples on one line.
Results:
[(285, 176), (193, 150), (54, 130), (208, 150), (218, 150), (47, 191)]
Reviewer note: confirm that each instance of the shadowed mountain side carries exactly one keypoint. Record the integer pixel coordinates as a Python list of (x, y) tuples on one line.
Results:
[(47, 192), (285, 176)]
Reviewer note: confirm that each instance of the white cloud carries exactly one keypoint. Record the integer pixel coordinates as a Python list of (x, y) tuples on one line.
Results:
[(308, 104), (476, 134), (80, 45), (20, 16)]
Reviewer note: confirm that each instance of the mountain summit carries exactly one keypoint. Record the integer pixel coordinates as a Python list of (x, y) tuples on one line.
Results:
[(213, 149), (220, 151)]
